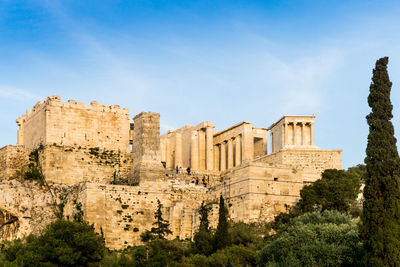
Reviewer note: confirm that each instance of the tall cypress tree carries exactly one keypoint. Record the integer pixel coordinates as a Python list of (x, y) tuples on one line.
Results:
[(222, 238), (203, 238), (380, 227), (161, 228), (204, 222)]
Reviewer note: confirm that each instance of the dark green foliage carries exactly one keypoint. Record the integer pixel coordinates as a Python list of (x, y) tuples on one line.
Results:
[(112, 259), (315, 239), (161, 229), (147, 236), (336, 190), (78, 214), (380, 227), (161, 226), (245, 235), (64, 243), (203, 239), (203, 242), (236, 255), (204, 211), (221, 237), (33, 172), (360, 171), (166, 252)]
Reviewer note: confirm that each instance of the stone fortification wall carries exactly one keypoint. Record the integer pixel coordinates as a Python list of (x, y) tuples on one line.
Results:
[(70, 164), (311, 162), (75, 124), (12, 160), (124, 212), (257, 192)]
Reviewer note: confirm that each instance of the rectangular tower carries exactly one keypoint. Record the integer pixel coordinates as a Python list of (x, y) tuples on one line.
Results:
[(146, 151)]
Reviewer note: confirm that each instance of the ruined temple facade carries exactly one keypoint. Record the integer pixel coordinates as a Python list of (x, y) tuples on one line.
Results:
[(118, 168)]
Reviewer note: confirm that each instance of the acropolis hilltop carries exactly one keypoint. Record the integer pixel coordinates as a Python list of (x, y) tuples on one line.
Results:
[(118, 167)]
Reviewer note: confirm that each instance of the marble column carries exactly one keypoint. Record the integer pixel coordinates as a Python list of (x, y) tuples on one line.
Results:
[(168, 154), (294, 133), (247, 143), (216, 158), (209, 149), (178, 150), (286, 134), (312, 133), (238, 151), (230, 153), (202, 149), (194, 151), (265, 145), (223, 156), (303, 134), (272, 141)]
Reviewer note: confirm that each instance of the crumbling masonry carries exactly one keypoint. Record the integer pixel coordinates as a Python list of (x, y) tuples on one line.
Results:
[(119, 168)]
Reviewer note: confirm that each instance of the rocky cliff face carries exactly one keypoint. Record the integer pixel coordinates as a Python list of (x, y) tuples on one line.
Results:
[(27, 207)]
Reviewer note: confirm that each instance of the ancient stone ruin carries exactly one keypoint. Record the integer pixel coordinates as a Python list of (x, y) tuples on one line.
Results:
[(117, 169)]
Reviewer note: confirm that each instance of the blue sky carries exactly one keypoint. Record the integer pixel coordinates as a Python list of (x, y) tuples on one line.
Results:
[(223, 61)]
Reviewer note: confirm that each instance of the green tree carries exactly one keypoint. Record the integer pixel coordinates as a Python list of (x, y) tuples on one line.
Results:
[(245, 235), (63, 243), (329, 238), (204, 222), (221, 237), (380, 227), (203, 238), (336, 190), (161, 228)]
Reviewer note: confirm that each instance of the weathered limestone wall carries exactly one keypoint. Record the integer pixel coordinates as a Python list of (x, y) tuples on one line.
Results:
[(75, 124), (124, 212), (311, 162), (257, 192), (12, 159), (70, 165)]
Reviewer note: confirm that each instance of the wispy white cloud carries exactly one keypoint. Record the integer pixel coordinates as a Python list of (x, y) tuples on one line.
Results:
[(7, 92), (116, 68), (301, 82)]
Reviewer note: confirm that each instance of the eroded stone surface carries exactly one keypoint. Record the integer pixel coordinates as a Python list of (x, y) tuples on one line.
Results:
[(85, 158)]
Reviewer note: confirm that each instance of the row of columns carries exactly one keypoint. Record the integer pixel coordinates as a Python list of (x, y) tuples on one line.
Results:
[(201, 149), (224, 156), (303, 125)]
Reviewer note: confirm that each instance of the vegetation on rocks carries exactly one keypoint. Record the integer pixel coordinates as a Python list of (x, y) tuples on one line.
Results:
[(323, 228)]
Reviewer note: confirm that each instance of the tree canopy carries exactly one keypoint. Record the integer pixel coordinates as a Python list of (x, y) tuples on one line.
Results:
[(63, 243), (329, 238)]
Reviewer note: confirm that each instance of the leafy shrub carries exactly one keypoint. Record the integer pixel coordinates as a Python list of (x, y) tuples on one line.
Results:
[(329, 238), (63, 243)]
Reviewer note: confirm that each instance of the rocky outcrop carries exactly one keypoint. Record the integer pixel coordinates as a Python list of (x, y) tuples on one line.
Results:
[(28, 207)]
